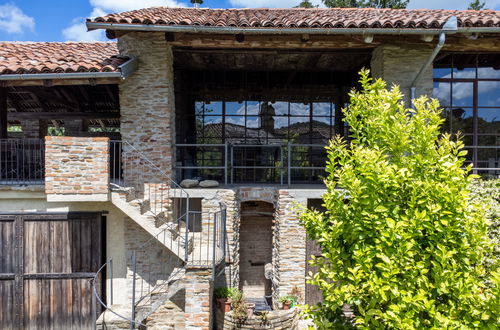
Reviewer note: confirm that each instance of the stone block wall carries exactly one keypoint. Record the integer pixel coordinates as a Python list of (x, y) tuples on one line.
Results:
[(147, 99), (289, 246), (400, 64), (199, 294), (76, 166)]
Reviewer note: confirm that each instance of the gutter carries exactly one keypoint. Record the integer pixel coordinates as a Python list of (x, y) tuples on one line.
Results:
[(451, 26), (125, 70), (281, 31)]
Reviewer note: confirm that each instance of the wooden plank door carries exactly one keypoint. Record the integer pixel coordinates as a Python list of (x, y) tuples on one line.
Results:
[(54, 258)]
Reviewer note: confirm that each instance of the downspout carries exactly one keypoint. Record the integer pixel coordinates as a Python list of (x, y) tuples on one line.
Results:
[(451, 25)]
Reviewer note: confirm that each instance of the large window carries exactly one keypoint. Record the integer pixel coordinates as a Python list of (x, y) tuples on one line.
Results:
[(263, 122), (468, 88)]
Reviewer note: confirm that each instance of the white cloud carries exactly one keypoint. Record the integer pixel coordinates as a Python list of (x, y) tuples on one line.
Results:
[(14, 21), (124, 5), (77, 31)]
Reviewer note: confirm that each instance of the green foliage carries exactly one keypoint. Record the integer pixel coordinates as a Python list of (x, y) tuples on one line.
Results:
[(476, 5), (401, 241), (305, 4), (396, 4), (225, 292), (292, 300)]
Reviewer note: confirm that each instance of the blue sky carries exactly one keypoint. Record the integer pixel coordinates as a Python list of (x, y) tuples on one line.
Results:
[(62, 20)]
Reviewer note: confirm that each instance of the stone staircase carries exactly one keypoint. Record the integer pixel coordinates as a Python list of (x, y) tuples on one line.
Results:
[(168, 234)]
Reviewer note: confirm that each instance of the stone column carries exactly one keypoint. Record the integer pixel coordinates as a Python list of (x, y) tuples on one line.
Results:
[(199, 292), (289, 253), (147, 105), (400, 64)]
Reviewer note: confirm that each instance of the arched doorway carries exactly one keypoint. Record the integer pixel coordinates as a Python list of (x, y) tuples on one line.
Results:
[(255, 247)]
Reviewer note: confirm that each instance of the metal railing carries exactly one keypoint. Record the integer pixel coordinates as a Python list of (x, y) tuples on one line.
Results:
[(283, 164), (22, 161), (196, 236), (298, 163)]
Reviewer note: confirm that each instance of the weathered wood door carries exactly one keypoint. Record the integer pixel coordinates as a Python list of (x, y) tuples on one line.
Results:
[(46, 264), (313, 294)]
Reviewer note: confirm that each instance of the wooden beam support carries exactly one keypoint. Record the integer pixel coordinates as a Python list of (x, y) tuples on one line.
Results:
[(63, 115), (3, 113)]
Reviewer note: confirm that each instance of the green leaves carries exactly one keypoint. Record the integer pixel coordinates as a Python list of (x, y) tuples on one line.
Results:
[(406, 248)]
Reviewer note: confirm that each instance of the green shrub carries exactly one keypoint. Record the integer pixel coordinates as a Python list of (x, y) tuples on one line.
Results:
[(401, 242), (225, 292)]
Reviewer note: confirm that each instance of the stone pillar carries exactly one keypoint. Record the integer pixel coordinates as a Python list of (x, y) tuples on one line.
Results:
[(147, 105), (76, 168), (289, 252), (400, 64), (199, 292)]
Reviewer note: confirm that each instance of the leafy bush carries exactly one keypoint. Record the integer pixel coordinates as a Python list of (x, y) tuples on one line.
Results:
[(400, 241), (225, 292)]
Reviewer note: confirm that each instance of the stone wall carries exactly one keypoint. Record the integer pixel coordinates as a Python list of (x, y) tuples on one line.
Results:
[(289, 247), (400, 64), (147, 98), (199, 294), (77, 166)]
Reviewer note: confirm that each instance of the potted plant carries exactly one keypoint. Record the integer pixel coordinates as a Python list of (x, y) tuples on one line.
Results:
[(288, 301), (224, 296)]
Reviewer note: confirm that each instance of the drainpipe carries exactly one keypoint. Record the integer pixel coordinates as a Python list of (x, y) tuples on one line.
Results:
[(451, 25)]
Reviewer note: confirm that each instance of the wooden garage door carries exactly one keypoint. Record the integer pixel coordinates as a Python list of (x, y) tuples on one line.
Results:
[(47, 261)]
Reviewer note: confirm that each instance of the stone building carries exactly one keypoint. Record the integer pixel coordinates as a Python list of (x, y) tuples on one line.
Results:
[(96, 139)]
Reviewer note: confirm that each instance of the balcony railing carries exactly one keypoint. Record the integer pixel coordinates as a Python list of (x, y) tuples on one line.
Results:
[(22, 161), (282, 164)]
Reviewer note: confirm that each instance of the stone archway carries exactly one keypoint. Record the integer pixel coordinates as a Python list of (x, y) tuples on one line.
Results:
[(255, 251)]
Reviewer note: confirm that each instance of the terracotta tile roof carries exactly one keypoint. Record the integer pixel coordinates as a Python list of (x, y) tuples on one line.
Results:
[(304, 18), (58, 57)]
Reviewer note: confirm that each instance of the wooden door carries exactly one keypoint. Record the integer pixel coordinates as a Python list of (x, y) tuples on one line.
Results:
[(46, 266)]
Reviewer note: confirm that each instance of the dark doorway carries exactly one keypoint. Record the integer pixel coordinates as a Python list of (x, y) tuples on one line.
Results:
[(255, 248)]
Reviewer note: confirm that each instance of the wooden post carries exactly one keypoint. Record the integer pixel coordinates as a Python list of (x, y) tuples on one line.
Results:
[(3, 112)]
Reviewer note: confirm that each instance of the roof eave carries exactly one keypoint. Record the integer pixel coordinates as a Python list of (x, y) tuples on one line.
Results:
[(283, 31), (125, 70)]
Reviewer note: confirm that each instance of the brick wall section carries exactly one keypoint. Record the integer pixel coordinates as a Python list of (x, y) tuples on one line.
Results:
[(147, 105), (199, 291), (400, 64), (76, 165), (289, 247)]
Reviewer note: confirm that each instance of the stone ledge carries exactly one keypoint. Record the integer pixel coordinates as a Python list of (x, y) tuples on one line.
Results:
[(78, 197)]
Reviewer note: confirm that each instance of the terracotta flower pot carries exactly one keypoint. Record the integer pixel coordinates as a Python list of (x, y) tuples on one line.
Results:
[(286, 305), (250, 309), (224, 304)]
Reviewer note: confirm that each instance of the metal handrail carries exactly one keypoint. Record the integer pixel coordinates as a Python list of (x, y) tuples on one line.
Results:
[(288, 168), (96, 298), (130, 156)]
